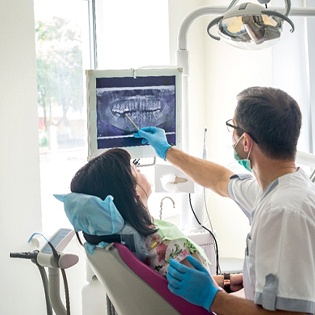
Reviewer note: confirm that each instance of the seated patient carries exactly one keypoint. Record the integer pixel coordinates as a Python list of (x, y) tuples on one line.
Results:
[(109, 202)]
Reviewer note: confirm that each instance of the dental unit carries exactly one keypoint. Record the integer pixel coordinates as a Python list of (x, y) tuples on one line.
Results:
[(50, 256)]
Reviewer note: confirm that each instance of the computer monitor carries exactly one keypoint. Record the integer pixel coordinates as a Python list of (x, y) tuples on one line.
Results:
[(119, 101)]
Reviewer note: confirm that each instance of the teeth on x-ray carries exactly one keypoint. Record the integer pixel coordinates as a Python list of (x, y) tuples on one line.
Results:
[(140, 103), (153, 109)]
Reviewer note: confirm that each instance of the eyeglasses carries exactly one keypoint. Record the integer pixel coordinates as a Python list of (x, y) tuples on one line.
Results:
[(231, 127)]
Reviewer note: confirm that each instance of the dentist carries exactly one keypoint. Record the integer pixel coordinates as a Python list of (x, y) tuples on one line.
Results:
[(279, 200)]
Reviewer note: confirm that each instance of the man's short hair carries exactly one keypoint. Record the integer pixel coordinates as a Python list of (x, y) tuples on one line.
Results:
[(272, 117)]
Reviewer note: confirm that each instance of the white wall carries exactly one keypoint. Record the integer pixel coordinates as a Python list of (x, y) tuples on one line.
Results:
[(20, 286)]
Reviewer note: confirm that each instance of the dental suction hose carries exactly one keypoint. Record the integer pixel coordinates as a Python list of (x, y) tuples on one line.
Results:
[(33, 257)]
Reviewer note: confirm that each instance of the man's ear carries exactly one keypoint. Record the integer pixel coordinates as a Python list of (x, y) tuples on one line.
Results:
[(247, 142)]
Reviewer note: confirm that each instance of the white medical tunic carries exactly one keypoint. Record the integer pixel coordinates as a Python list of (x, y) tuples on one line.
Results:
[(279, 265)]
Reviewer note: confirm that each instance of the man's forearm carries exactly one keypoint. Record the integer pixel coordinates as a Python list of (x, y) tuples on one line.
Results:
[(203, 172), (227, 304)]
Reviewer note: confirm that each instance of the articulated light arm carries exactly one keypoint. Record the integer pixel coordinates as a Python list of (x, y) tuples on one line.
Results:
[(182, 51), (183, 54), (287, 5)]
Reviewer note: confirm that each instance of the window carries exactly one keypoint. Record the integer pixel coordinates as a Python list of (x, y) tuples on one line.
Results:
[(294, 72), (62, 50), (129, 34)]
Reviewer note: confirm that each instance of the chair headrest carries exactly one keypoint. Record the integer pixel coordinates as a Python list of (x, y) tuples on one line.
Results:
[(91, 214)]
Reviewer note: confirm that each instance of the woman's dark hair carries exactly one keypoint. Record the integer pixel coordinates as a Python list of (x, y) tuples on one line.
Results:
[(272, 117), (110, 174)]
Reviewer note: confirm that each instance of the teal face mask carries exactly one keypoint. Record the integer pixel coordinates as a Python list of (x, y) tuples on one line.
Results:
[(244, 162)]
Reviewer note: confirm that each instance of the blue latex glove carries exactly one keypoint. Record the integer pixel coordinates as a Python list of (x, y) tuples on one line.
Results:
[(155, 137), (194, 285)]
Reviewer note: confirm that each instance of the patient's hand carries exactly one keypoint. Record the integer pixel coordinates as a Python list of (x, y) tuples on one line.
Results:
[(236, 282), (186, 262)]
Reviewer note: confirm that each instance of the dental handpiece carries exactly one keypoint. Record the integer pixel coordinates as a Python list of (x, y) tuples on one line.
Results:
[(132, 122)]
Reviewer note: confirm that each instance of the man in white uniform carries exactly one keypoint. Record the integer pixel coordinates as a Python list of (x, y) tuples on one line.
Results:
[(279, 268)]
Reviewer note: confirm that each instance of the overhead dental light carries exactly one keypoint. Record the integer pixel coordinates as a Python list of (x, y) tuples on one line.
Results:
[(251, 26)]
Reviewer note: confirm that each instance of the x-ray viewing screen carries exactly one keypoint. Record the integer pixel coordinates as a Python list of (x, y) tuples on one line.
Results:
[(121, 101)]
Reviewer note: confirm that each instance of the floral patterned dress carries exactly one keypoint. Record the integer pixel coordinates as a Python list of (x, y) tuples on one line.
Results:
[(169, 242)]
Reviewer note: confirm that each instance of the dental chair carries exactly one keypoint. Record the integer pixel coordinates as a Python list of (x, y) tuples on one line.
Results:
[(133, 288)]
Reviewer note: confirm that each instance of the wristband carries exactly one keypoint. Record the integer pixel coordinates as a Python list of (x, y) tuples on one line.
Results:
[(227, 282)]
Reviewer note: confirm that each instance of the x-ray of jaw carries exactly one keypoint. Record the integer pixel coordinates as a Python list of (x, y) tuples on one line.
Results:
[(149, 106), (121, 101)]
